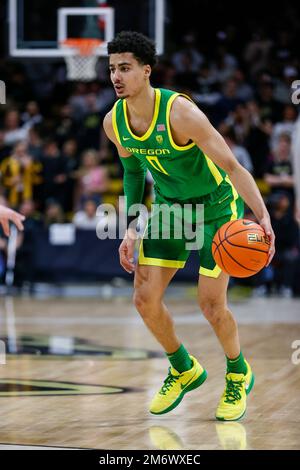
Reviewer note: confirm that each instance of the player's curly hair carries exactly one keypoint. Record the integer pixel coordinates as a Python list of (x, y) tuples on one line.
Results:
[(139, 45)]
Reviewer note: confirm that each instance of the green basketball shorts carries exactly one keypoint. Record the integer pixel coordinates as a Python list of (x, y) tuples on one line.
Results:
[(168, 240)]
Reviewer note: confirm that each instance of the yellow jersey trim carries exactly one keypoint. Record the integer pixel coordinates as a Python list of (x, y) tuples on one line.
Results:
[(154, 161), (174, 145), (114, 122), (233, 205), (154, 117), (164, 263), (214, 170), (210, 272)]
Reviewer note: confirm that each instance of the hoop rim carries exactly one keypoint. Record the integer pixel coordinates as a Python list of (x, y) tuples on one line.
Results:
[(84, 46)]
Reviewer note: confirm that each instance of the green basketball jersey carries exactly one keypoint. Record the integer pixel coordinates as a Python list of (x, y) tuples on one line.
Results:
[(179, 172)]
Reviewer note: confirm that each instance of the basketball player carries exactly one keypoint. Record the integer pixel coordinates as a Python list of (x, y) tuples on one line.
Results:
[(8, 215), (190, 162)]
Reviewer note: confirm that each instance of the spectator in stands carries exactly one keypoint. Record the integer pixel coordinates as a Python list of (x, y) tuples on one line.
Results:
[(32, 217), (245, 91), (32, 115), (5, 150), (20, 175), (228, 101), (77, 100), (239, 151), (286, 126), (105, 96), (53, 213), (164, 73), (256, 138), (287, 235), (66, 126), (91, 124), (54, 173), (188, 50), (270, 108), (92, 178), (14, 131), (24, 271), (86, 218), (258, 52), (240, 121), (35, 143), (279, 171), (283, 87), (70, 154), (207, 82), (19, 84), (224, 65)]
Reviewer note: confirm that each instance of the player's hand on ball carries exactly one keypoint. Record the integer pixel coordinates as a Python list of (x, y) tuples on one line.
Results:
[(266, 225), (8, 215), (126, 251)]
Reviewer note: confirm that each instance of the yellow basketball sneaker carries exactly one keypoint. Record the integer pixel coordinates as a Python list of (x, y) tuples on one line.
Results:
[(233, 403), (175, 386)]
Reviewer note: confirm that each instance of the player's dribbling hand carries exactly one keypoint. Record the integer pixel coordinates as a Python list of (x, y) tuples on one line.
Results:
[(126, 251), (8, 215), (266, 225)]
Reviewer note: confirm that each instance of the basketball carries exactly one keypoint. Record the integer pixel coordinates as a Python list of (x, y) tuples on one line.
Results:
[(240, 248)]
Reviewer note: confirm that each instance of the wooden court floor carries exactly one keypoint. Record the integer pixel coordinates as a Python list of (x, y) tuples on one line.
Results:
[(80, 373)]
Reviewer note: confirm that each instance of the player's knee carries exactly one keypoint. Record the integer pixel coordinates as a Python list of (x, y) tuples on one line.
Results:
[(213, 311), (144, 301)]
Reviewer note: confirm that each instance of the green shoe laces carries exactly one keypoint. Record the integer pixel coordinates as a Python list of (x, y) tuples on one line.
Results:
[(168, 382), (232, 392)]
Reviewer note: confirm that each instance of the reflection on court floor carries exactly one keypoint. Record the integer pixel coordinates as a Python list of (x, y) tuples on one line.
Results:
[(80, 373)]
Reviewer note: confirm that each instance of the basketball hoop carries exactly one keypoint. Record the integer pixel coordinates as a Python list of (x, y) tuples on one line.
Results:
[(81, 64)]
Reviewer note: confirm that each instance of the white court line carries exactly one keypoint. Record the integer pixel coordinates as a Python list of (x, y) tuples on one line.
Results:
[(190, 319), (28, 447)]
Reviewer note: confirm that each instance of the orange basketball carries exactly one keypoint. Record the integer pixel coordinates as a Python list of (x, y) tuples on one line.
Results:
[(240, 248)]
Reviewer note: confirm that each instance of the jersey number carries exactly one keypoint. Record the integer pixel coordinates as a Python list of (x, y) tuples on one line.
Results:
[(156, 164)]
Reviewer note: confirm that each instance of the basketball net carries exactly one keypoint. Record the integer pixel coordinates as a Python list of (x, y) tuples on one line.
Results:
[(81, 66)]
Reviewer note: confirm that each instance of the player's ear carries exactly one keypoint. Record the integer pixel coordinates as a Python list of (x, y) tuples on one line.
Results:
[(147, 71)]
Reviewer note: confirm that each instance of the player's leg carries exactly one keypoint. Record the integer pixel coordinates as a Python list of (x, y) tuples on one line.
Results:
[(223, 205), (160, 257), (212, 296), (161, 254), (150, 283), (185, 373)]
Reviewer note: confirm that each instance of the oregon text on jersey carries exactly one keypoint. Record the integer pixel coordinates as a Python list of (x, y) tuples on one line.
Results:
[(148, 151)]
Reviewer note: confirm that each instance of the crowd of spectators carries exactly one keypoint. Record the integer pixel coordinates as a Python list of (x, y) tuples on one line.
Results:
[(56, 164)]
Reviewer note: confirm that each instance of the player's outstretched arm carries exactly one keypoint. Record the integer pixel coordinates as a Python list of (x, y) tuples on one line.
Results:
[(8, 215), (188, 121)]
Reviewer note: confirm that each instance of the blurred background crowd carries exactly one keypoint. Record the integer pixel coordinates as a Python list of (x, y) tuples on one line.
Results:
[(56, 165)]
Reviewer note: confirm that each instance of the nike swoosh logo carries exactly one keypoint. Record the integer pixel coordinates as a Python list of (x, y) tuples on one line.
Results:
[(126, 138), (184, 385)]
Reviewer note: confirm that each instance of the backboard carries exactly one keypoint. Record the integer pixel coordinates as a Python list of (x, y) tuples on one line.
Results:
[(37, 29)]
